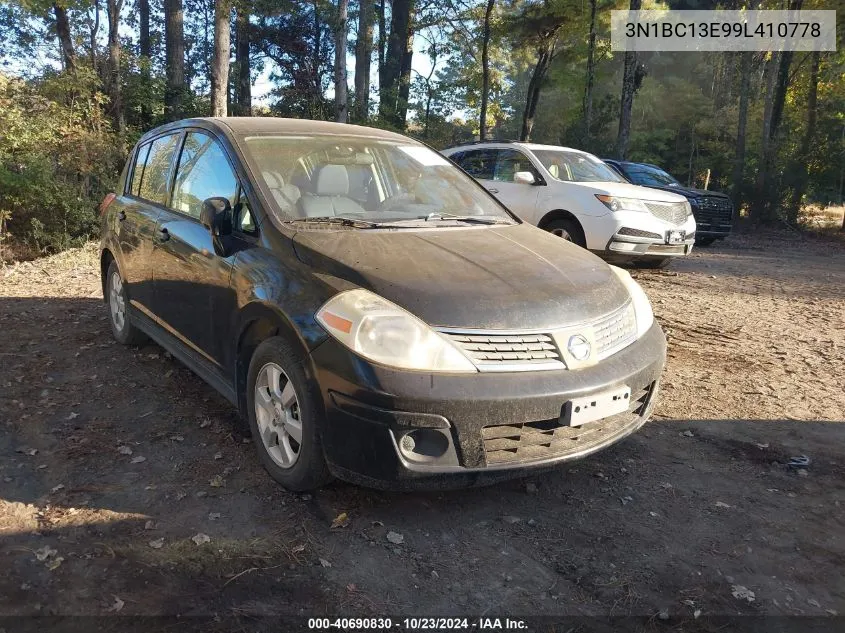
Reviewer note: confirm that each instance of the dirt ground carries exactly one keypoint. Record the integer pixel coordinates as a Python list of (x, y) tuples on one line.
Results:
[(127, 486)]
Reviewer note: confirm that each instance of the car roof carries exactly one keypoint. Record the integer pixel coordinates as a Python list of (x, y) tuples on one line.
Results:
[(531, 146), (248, 126)]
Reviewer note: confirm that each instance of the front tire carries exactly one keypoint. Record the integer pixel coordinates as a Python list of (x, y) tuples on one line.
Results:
[(655, 262), (567, 229), (705, 241), (118, 302), (285, 417)]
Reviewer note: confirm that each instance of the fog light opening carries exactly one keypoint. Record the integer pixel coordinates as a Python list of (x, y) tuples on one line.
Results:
[(423, 445)]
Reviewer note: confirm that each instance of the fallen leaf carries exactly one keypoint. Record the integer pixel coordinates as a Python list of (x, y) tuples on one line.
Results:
[(395, 538), (216, 481), (124, 450), (325, 563), (54, 563), (213, 516), (201, 538), (137, 460), (722, 504), (72, 415), (341, 520), (117, 606), (44, 553), (742, 593), (352, 587), (218, 455), (298, 548), (150, 525), (157, 544), (177, 438), (55, 489)]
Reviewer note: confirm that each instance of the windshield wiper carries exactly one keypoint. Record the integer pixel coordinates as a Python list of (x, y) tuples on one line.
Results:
[(473, 219), (337, 219)]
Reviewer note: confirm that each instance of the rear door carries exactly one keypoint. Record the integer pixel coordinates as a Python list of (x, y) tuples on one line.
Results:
[(141, 204), (192, 297)]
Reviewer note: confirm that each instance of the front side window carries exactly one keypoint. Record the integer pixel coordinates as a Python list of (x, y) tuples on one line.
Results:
[(203, 172), (478, 163), (371, 179), (644, 175), (153, 186), (569, 166), (510, 161)]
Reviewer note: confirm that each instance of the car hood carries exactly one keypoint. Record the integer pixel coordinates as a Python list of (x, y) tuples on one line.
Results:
[(508, 277), (690, 192), (627, 190)]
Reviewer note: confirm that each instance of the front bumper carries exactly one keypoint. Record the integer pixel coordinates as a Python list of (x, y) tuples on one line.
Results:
[(490, 426), (642, 235)]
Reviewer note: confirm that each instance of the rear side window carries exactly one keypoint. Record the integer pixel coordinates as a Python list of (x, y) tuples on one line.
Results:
[(157, 169), (204, 172), (138, 169), (479, 163)]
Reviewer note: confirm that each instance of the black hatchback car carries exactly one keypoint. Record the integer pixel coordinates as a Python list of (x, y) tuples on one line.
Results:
[(713, 210), (372, 311)]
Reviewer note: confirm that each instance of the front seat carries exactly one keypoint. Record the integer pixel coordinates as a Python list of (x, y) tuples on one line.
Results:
[(330, 195), (286, 196)]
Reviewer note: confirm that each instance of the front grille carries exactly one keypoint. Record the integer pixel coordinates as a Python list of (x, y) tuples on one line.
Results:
[(488, 351), (548, 439), (625, 230), (714, 210), (672, 212), (615, 331)]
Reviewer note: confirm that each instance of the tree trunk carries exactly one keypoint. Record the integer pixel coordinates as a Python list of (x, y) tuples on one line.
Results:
[(809, 133), (94, 30), (113, 10), (739, 152), (65, 40), (396, 62), (759, 201), (405, 80), (340, 84), (145, 52), (174, 37), (244, 91), (382, 44), (485, 71), (220, 63), (544, 60), (363, 56), (627, 101), (591, 71)]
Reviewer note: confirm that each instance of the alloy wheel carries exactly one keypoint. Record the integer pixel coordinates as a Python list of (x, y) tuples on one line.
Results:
[(277, 415), (563, 233)]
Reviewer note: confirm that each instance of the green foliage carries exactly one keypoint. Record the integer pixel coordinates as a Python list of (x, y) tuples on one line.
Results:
[(58, 158)]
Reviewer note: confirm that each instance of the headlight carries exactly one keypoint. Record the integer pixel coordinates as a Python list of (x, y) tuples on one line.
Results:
[(689, 207), (642, 306), (622, 204), (384, 333)]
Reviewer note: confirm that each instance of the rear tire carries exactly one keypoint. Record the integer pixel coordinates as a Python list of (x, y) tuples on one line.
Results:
[(569, 230), (118, 303), (285, 417)]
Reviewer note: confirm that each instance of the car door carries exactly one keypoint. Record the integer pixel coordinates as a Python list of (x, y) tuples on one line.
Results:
[(520, 198), (192, 297), (142, 203)]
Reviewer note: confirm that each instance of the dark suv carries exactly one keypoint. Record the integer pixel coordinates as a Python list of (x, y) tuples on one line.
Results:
[(713, 210), (372, 311)]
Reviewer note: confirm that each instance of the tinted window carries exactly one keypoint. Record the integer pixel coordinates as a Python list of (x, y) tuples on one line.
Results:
[(157, 169), (138, 171), (203, 172), (643, 175), (510, 161), (478, 163)]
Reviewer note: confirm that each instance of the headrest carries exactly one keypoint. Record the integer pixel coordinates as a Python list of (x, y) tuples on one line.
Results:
[(273, 179), (333, 180)]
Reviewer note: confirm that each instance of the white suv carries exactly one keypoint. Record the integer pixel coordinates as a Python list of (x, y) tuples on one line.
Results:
[(578, 197)]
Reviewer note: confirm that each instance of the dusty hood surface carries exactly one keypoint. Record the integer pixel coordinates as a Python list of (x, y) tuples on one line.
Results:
[(505, 277)]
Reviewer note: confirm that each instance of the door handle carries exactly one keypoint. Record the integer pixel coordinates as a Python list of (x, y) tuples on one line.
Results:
[(163, 235), (121, 216), (492, 190)]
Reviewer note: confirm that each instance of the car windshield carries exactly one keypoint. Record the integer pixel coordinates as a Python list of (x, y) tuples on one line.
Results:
[(335, 179), (575, 166), (648, 176)]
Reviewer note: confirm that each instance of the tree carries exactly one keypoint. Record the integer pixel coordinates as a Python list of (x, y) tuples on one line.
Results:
[(809, 133), (340, 85), (485, 70), (220, 64), (243, 93), (591, 71), (174, 45), (363, 58), (742, 119), (65, 39), (145, 52), (113, 8), (627, 101), (395, 76)]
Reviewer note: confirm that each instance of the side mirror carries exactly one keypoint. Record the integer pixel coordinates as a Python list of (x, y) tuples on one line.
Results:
[(216, 216), (524, 178)]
